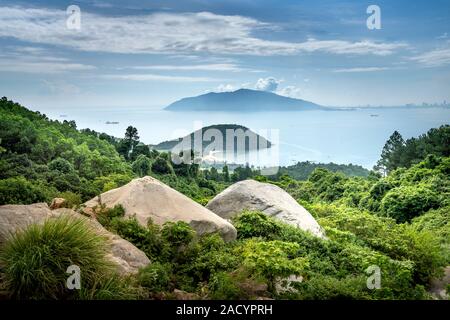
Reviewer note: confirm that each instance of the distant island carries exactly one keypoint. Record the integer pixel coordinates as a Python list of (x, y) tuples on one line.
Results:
[(262, 143), (242, 100)]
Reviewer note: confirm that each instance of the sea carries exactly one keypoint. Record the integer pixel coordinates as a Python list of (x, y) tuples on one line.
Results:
[(344, 136)]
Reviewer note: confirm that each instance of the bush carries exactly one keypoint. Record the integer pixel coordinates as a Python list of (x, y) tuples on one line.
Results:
[(223, 286), (106, 215), (113, 287), (147, 239), (251, 224), (155, 277), (272, 260), (162, 166), (72, 199), (35, 261), (177, 233), (21, 191), (406, 202)]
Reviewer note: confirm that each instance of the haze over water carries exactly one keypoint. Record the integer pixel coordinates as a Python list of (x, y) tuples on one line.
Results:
[(350, 136)]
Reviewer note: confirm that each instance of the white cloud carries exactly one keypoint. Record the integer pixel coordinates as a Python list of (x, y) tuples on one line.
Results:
[(157, 77), (443, 36), (204, 67), (29, 59), (225, 88), (363, 69), (267, 84), (289, 91), (434, 58), (176, 33), (41, 66), (61, 87)]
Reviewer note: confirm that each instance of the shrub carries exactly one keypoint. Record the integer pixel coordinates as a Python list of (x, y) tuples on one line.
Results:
[(105, 215), (162, 166), (251, 224), (273, 259), (155, 277), (177, 233), (21, 191), (147, 239), (406, 202), (112, 287), (72, 199), (324, 287), (35, 261), (223, 286)]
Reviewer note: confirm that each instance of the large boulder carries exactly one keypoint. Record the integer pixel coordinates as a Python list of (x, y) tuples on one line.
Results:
[(148, 198), (124, 254), (16, 218), (267, 198)]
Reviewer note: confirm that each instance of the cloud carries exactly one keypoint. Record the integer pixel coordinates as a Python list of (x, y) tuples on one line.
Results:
[(204, 67), (41, 66), (443, 36), (157, 77), (61, 87), (225, 88), (363, 69), (28, 59), (267, 84), (174, 33), (289, 91), (434, 58)]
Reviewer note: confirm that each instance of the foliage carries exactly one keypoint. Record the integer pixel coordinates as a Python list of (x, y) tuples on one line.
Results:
[(35, 261), (406, 202), (155, 277), (273, 259), (255, 224), (302, 170)]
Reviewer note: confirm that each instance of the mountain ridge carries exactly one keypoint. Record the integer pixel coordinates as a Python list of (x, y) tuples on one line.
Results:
[(242, 100)]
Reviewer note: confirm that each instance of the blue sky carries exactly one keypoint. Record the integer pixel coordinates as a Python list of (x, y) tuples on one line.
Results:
[(151, 53)]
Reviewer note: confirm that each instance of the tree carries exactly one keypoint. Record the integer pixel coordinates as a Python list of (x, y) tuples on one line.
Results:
[(131, 140), (141, 166), (391, 154), (226, 173), (162, 166)]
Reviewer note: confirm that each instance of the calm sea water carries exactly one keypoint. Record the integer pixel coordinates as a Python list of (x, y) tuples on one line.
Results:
[(352, 136)]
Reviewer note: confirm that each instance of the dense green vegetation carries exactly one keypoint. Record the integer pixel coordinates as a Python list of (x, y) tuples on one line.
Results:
[(398, 153), (395, 218), (302, 170)]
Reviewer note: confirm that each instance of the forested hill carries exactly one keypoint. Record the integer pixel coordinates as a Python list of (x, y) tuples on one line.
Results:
[(40, 157), (302, 170), (261, 142), (242, 100)]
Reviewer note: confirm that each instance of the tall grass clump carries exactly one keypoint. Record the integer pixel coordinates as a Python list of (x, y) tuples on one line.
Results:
[(35, 261)]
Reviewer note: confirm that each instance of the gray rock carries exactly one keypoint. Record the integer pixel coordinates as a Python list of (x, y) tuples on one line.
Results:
[(14, 218), (148, 198), (267, 198)]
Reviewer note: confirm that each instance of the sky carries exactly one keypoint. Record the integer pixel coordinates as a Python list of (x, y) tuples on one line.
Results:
[(151, 53)]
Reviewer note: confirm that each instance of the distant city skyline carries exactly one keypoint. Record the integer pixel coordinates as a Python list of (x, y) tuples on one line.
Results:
[(152, 53)]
